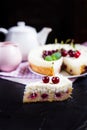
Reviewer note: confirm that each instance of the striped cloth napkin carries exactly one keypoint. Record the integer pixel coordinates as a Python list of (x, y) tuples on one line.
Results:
[(21, 74)]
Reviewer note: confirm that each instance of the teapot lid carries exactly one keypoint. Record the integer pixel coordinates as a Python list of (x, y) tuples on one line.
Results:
[(21, 27)]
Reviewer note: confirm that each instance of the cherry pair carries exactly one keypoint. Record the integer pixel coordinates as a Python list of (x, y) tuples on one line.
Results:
[(55, 79)]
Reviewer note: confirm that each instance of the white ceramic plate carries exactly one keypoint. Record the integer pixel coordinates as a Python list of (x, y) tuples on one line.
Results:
[(62, 73), (72, 76)]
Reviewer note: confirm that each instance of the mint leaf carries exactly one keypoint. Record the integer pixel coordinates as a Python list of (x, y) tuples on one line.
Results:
[(48, 58)]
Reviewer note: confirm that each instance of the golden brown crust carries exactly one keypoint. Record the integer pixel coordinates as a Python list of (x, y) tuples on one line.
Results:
[(83, 69), (42, 70)]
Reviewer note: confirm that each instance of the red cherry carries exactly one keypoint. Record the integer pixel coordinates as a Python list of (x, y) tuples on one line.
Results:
[(33, 95), (71, 53), (77, 54), (45, 53), (58, 94), (44, 95), (49, 52), (63, 52), (45, 79), (55, 80)]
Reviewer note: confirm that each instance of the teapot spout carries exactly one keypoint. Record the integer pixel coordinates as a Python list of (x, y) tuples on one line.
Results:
[(43, 34)]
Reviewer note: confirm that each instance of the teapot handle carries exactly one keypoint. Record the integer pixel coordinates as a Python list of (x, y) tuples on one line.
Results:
[(3, 30)]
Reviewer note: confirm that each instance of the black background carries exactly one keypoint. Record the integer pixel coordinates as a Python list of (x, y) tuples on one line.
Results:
[(68, 18)]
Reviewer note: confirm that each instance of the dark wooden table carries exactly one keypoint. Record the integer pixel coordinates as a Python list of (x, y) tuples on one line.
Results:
[(67, 115)]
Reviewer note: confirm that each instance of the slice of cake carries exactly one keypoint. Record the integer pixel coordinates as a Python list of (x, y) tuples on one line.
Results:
[(57, 88)]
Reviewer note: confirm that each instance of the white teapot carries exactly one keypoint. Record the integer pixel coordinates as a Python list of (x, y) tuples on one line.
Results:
[(26, 37)]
